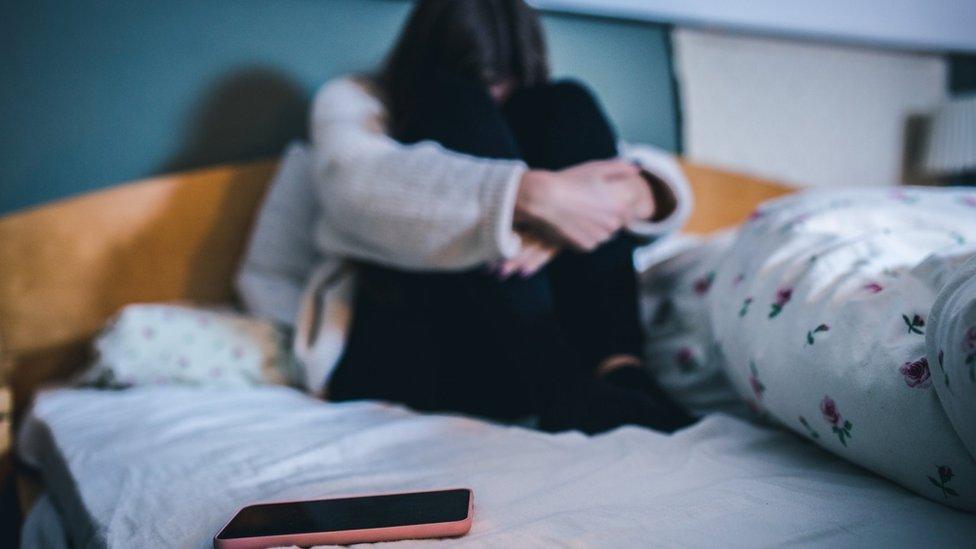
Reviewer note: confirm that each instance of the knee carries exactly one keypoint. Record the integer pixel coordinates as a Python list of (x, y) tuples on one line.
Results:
[(578, 107), (459, 114), (563, 95), (445, 98), (570, 94)]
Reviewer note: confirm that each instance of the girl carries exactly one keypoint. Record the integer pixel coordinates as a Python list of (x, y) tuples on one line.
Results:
[(494, 229)]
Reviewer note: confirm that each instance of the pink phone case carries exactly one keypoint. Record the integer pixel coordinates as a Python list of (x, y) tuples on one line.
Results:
[(348, 537)]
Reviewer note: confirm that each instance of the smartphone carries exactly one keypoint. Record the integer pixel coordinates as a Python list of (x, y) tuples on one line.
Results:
[(348, 520)]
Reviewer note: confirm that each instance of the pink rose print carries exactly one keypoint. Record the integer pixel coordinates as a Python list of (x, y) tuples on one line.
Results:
[(903, 197), (917, 373), (819, 329), (840, 426), (969, 347), (829, 410), (685, 358), (783, 296), (237, 353), (968, 200), (738, 279), (148, 332), (702, 285), (745, 307), (945, 475), (757, 387), (756, 214), (914, 324), (874, 287), (755, 408), (182, 362)]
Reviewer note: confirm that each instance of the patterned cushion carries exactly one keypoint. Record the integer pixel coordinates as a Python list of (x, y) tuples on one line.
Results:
[(678, 343), (951, 341), (820, 309), (175, 344)]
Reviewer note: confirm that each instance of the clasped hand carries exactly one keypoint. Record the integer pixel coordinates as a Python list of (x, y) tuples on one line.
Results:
[(579, 207)]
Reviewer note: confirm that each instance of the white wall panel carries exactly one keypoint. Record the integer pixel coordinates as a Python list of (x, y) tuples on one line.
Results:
[(907, 24), (801, 112)]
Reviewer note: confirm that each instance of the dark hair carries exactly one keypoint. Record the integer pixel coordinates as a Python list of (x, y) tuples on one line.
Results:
[(484, 40)]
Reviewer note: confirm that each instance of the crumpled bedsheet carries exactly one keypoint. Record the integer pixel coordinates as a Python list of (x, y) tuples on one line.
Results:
[(168, 466)]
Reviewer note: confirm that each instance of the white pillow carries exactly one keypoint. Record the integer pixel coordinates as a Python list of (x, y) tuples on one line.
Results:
[(280, 254), (951, 339), (820, 309), (155, 344)]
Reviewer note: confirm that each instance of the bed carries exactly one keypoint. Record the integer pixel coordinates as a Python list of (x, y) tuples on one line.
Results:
[(164, 467)]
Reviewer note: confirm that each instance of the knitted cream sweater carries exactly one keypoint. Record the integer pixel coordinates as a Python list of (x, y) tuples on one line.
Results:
[(411, 206), (416, 206)]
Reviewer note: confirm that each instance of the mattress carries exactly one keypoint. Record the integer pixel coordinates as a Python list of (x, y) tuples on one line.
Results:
[(167, 466)]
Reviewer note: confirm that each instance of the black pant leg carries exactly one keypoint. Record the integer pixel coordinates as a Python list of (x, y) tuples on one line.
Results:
[(556, 126), (460, 115), (463, 341)]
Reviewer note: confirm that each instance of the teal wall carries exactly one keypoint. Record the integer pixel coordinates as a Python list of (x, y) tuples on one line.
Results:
[(99, 92)]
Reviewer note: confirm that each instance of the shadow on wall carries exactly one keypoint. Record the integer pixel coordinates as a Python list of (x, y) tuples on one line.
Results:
[(250, 113)]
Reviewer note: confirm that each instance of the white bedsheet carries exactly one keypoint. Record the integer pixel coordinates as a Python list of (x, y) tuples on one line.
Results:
[(166, 467)]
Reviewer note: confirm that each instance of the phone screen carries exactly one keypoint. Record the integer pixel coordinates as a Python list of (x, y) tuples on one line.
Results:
[(331, 515)]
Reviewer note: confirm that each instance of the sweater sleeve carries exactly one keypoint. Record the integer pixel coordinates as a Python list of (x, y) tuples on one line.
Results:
[(670, 174), (415, 206)]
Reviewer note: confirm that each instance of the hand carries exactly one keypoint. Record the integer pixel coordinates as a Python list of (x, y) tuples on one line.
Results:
[(586, 204), (638, 195), (534, 254)]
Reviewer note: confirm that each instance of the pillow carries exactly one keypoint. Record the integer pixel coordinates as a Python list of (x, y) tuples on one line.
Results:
[(820, 310), (152, 344), (280, 253), (675, 275), (951, 342)]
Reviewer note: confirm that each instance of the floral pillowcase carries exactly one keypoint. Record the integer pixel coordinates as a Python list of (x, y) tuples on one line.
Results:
[(678, 344), (951, 340), (158, 344), (821, 309)]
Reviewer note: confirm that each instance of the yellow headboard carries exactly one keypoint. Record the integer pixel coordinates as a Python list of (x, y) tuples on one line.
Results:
[(66, 267)]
